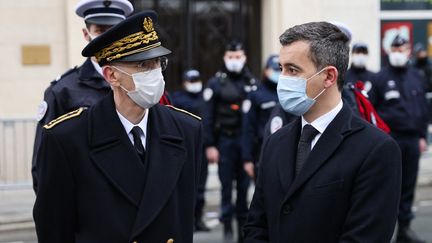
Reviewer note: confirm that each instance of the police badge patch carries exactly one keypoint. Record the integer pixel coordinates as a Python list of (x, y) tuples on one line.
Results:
[(246, 106), (275, 124), (42, 109), (207, 94)]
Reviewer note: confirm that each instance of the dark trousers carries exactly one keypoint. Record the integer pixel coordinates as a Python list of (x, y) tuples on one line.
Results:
[(200, 199), (230, 169), (409, 146)]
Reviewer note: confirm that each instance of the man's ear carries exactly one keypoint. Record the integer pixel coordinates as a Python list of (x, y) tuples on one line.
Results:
[(86, 34), (332, 77), (110, 76)]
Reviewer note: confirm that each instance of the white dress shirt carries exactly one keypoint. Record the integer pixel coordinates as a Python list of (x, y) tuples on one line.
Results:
[(128, 127), (322, 122)]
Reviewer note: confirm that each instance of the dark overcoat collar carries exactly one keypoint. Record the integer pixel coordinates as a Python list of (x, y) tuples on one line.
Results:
[(342, 126)]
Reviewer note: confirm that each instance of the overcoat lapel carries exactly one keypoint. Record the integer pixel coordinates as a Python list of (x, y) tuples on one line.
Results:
[(112, 151), (288, 148), (166, 156), (337, 130)]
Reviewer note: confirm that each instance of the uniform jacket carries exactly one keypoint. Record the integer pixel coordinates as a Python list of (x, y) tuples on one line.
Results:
[(92, 187), (192, 102), (78, 87), (399, 98), (223, 96), (347, 191), (257, 108)]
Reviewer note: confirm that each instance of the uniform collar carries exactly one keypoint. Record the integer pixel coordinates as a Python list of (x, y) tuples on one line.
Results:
[(88, 75)]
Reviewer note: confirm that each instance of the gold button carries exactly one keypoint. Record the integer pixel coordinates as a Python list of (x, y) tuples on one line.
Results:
[(170, 241), (135, 242)]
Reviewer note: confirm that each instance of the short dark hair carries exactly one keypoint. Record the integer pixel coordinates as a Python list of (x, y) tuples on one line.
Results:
[(328, 45)]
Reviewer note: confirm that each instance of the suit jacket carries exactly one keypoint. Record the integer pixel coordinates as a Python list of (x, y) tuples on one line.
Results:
[(347, 191), (92, 187)]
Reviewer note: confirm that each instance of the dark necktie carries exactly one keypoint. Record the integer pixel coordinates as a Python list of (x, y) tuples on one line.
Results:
[(136, 133), (304, 146)]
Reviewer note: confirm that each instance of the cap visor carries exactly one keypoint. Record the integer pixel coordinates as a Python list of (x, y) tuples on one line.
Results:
[(104, 20), (145, 55)]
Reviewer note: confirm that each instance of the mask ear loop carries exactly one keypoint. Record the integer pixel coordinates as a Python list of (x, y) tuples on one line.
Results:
[(121, 86), (316, 74)]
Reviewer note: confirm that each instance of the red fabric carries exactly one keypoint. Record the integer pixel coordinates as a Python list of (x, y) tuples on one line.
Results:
[(164, 100), (366, 109)]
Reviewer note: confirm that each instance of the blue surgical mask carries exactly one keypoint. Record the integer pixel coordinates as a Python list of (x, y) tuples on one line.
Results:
[(292, 94), (274, 77)]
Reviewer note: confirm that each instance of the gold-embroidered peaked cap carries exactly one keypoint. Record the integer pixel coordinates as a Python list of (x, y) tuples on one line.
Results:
[(133, 39)]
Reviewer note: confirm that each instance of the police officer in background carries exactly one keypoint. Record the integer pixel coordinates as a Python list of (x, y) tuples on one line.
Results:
[(398, 95), (222, 123), (424, 65), (256, 109), (190, 99), (80, 86), (358, 70)]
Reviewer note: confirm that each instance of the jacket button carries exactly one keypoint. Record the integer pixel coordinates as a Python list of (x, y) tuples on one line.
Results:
[(170, 241), (135, 242), (287, 208)]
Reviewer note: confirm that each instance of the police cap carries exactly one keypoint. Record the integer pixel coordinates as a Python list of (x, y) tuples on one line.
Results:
[(103, 12), (133, 39), (191, 74), (273, 62), (234, 46), (399, 41), (360, 47)]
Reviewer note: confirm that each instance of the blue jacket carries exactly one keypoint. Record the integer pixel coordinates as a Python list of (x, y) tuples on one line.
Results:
[(256, 112), (399, 98)]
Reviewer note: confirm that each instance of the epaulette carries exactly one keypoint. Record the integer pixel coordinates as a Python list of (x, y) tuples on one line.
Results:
[(64, 74), (183, 111), (64, 117)]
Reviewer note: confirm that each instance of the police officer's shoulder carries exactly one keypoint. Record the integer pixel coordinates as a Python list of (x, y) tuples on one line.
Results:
[(184, 112), (65, 75), (64, 117)]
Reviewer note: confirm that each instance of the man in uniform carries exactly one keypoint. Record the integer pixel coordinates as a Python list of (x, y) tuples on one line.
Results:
[(80, 86), (358, 70), (328, 176), (127, 168), (222, 122), (398, 95), (256, 109), (190, 99)]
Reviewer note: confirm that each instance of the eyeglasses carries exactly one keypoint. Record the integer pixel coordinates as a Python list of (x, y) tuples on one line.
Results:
[(148, 65)]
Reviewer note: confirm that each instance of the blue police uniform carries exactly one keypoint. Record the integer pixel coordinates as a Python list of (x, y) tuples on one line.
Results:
[(257, 108), (355, 74), (79, 87), (192, 102), (222, 123), (398, 96)]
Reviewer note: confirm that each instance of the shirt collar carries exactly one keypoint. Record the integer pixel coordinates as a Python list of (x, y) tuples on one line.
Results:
[(322, 122), (97, 67), (128, 125)]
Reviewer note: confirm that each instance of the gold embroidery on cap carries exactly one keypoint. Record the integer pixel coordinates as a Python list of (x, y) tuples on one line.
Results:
[(148, 24), (127, 43)]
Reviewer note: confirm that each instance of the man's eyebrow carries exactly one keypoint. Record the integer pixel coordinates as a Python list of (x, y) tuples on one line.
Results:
[(290, 64)]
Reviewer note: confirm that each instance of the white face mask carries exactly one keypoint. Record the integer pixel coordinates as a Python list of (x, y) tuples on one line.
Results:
[(235, 65), (193, 87), (149, 87), (398, 59), (359, 60)]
